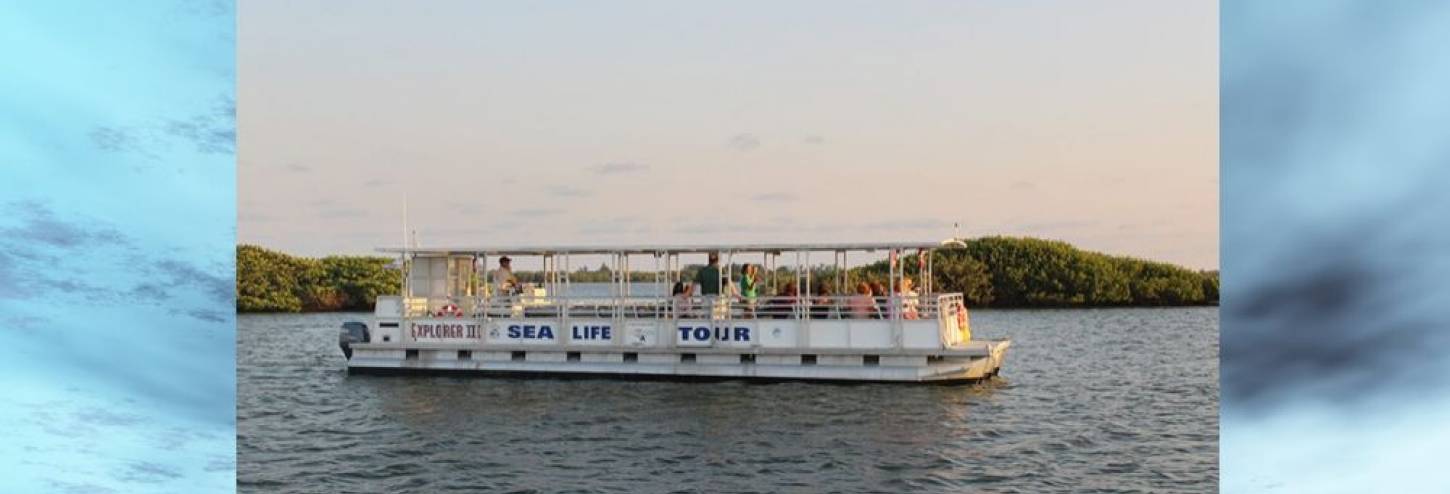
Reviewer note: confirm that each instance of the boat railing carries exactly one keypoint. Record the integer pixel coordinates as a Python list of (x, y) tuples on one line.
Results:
[(906, 307), (952, 314)]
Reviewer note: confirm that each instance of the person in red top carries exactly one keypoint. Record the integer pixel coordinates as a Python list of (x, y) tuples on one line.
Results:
[(862, 305)]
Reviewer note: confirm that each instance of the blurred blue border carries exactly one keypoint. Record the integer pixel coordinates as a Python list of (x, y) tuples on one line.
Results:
[(117, 227), (1336, 251)]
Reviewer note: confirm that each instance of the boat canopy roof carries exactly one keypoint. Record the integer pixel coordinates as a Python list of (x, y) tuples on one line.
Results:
[(664, 249)]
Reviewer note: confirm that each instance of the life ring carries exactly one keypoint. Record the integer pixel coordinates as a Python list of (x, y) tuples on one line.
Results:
[(962, 325), (449, 310)]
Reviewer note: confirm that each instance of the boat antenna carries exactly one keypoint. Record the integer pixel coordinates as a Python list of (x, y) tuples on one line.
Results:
[(403, 257), (956, 239)]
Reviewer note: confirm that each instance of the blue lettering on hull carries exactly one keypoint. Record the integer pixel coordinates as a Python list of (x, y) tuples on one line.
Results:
[(530, 332), (719, 333), (590, 332)]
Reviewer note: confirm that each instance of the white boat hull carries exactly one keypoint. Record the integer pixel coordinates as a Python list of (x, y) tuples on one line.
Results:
[(974, 361)]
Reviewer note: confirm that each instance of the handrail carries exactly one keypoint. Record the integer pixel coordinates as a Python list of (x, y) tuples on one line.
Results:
[(906, 307)]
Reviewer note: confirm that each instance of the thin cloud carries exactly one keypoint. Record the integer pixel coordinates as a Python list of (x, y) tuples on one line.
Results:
[(148, 472), (1023, 185), (23, 324), (218, 287), (296, 168), (619, 168), (208, 315), (149, 292), (744, 142), (107, 418), (814, 140), (213, 132), (42, 227), (114, 139)]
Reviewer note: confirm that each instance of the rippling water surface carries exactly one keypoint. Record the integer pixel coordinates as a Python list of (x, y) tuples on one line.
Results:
[(1114, 400)]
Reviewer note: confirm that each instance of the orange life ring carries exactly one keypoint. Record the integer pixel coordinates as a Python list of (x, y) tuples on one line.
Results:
[(962, 324)]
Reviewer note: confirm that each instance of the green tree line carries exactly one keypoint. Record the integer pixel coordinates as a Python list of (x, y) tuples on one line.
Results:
[(989, 272), (271, 281), (1030, 272)]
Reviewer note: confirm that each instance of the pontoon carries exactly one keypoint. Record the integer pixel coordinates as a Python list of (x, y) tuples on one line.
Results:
[(452, 317)]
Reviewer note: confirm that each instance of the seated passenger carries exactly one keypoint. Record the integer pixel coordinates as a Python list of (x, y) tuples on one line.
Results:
[(782, 306), (909, 298), (862, 305), (504, 280), (881, 297), (822, 306), (682, 293)]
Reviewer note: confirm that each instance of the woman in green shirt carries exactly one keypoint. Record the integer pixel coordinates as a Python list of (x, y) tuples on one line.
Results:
[(750, 288)]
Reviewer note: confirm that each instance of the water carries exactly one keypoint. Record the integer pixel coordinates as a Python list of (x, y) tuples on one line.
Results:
[(1114, 400)]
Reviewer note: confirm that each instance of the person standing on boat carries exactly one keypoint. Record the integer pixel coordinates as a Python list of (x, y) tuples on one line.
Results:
[(709, 279), (750, 288), (709, 276)]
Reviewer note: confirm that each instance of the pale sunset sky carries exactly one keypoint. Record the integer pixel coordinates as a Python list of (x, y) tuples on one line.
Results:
[(609, 123)]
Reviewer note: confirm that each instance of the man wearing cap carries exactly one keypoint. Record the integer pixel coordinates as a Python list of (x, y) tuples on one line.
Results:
[(503, 278)]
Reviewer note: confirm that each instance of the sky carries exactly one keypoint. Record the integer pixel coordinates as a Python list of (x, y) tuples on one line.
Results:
[(1334, 316), (117, 199), (592, 123)]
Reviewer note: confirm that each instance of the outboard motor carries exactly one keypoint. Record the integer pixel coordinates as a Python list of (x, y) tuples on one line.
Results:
[(352, 332)]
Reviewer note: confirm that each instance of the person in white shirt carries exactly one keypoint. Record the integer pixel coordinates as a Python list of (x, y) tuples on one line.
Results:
[(909, 299)]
